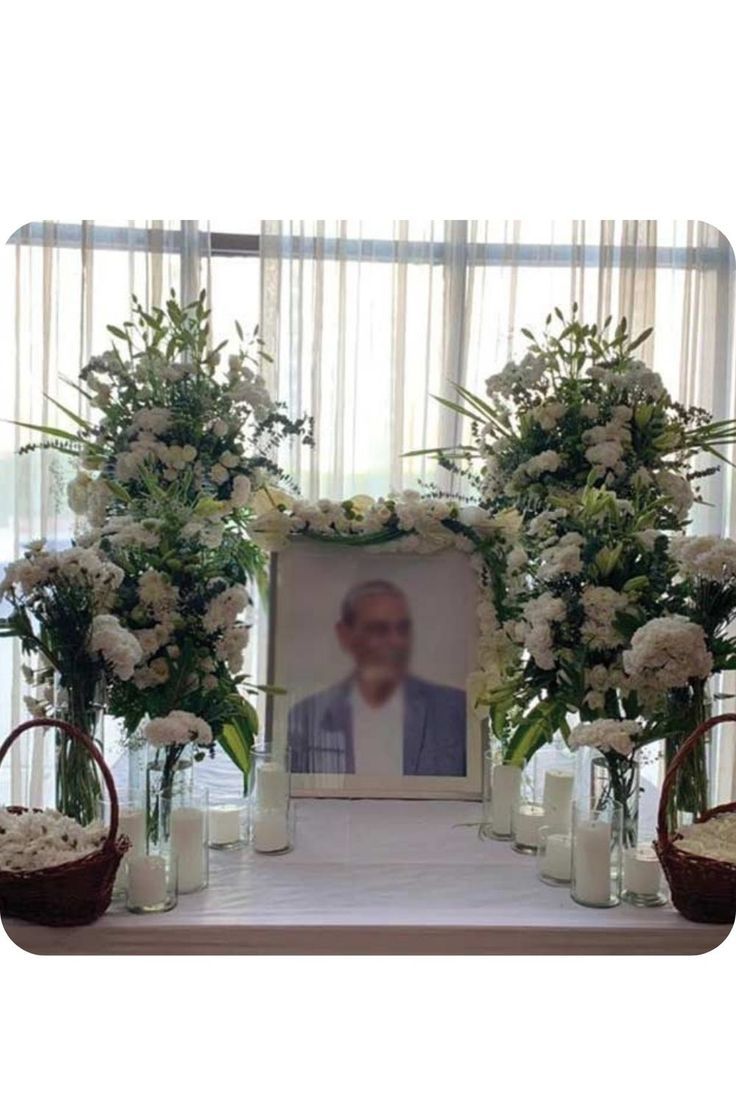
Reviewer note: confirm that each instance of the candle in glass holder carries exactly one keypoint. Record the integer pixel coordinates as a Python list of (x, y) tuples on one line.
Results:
[(556, 862), (592, 862), (187, 844), (505, 787), (270, 829), (132, 823), (527, 819), (557, 797), (642, 872), (146, 881), (272, 785), (224, 825)]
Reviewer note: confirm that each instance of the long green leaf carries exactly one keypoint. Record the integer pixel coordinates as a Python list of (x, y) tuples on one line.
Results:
[(62, 433), (81, 422)]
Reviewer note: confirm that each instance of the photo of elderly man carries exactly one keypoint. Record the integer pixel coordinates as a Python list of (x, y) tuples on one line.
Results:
[(382, 720)]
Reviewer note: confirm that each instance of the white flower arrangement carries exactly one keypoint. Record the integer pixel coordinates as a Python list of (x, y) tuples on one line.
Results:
[(667, 652), (607, 735), (35, 840), (714, 838), (178, 727)]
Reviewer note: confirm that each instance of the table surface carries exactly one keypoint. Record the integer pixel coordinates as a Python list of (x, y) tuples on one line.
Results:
[(379, 877)]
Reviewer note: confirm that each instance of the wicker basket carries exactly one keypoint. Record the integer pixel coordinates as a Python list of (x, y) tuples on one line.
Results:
[(75, 892), (702, 889)]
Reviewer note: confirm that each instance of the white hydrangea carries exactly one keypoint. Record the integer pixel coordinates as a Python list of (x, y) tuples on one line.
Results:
[(601, 604), (178, 727), (562, 558), (707, 557), (546, 461), (607, 735), (667, 652), (678, 489)]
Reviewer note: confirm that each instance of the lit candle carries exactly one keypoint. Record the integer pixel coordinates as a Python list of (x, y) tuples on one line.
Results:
[(557, 797), (270, 829), (527, 820), (224, 825), (642, 872), (272, 785), (591, 856), (146, 881), (187, 844), (505, 787), (557, 859)]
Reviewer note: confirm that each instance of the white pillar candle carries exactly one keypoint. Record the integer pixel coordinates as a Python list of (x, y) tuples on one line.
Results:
[(132, 823), (557, 859), (592, 862), (527, 820), (224, 824), (642, 872), (146, 881), (505, 787), (270, 830), (187, 844), (272, 785), (557, 797)]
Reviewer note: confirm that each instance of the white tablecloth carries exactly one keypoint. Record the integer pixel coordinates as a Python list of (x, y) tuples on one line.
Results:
[(389, 877)]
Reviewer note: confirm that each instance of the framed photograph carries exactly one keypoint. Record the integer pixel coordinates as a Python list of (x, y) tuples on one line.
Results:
[(374, 647)]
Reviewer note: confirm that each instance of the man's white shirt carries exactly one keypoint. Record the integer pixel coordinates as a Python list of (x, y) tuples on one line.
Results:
[(378, 734)]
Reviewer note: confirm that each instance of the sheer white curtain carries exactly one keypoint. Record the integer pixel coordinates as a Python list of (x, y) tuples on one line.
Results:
[(367, 320), (67, 282)]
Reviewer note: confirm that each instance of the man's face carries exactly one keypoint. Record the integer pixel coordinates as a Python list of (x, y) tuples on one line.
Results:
[(379, 637)]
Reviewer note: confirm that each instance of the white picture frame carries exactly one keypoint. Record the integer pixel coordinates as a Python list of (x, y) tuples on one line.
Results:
[(309, 582)]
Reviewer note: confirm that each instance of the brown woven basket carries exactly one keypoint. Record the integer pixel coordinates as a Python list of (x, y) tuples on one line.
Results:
[(75, 892), (702, 889)]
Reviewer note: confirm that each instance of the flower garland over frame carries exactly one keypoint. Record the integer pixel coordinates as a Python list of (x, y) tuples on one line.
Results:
[(410, 522)]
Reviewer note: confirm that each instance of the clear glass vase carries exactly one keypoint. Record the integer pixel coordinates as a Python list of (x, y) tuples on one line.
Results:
[(169, 777), (596, 854), (78, 789), (690, 796), (502, 783), (183, 835), (269, 798), (615, 779)]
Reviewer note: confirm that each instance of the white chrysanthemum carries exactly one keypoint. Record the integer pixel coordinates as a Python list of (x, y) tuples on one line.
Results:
[(118, 647), (667, 652), (35, 840), (178, 727), (608, 735), (539, 615), (225, 608)]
